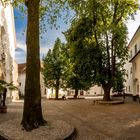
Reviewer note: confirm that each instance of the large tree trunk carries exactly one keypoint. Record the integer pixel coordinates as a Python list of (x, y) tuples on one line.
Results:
[(76, 93), (106, 89), (32, 111), (56, 93), (57, 89)]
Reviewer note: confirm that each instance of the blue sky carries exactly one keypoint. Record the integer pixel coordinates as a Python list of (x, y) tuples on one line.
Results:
[(45, 44), (51, 35)]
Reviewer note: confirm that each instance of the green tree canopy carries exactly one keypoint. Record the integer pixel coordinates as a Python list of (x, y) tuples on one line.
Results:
[(108, 36), (53, 68), (79, 77)]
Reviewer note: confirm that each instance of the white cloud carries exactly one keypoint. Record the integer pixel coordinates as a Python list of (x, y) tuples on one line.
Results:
[(21, 50), (21, 45), (20, 53), (21, 60)]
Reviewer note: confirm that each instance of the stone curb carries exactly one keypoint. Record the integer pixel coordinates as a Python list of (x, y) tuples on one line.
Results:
[(115, 102), (3, 136), (73, 135)]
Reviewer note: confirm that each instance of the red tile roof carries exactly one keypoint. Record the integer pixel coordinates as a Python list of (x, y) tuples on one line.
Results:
[(22, 68)]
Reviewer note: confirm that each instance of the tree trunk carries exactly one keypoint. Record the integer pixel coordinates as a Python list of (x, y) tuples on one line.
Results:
[(56, 93), (76, 93), (57, 89), (32, 111), (106, 89)]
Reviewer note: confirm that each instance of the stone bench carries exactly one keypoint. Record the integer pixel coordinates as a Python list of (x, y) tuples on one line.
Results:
[(96, 100)]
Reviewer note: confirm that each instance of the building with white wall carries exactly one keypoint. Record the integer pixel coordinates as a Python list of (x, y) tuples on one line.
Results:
[(8, 66), (50, 93), (132, 66), (128, 78), (93, 91), (134, 51), (22, 77)]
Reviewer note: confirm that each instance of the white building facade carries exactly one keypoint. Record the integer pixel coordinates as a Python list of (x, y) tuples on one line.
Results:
[(132, 84), (8, 66), (22, 77), (128, 78)]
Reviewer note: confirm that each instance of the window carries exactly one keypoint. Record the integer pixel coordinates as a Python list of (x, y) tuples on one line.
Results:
[(136, 49), (45, 92), (129, 89), (131, 70), (68, 92), (137, 88), (135, 65), (130, 53), (81, 92), (127, 73)]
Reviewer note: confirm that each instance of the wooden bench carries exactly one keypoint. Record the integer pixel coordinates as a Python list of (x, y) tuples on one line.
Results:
[(95, 102)]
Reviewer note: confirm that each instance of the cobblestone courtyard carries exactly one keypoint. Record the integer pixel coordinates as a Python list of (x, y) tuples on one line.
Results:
[(94, 122)]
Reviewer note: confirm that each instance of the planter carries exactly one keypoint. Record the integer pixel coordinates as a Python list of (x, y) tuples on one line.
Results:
[(3, 109), (134, 98)]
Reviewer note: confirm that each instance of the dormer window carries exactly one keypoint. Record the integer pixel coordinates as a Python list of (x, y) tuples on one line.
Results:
[(135, 65), (130, 53), (131, 70), (136, 49)]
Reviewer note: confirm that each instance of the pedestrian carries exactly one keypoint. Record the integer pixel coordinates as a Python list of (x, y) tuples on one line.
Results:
[(4, 95), (0, 99), (64, 97)]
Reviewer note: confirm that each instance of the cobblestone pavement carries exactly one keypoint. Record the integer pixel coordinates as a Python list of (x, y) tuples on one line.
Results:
[(94, 122)]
